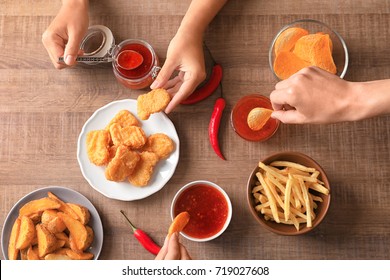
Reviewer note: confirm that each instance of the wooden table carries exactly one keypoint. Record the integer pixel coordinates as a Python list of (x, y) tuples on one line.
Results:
[(42, 111)]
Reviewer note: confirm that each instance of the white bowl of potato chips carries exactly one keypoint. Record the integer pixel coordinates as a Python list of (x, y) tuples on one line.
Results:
[(288, 193)]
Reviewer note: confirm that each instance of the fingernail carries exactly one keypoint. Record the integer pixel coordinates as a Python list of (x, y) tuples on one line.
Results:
[(155, 84), (70, 59)]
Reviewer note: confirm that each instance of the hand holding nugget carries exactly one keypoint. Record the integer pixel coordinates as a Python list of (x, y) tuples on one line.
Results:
[(185, 53), (173, 249)]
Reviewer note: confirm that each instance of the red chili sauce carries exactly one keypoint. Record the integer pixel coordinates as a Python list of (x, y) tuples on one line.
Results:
[(240, 114), (208, 210), (145, 66)]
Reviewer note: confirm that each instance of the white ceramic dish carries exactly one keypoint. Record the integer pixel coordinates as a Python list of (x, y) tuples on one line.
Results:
[(164, 170), (211, 184), (66, 195)]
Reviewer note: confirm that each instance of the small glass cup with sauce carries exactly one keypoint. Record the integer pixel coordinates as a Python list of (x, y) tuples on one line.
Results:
[(239, 115), (209, 207), (99, 47)]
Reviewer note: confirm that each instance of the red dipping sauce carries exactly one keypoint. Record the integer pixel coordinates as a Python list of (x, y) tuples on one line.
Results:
[(143, 75), (240, 113), (207, 207)]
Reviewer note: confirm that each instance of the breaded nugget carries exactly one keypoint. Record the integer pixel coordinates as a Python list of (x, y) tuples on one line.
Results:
[(98, 142), (124, 118), (131, 136), (152, 102), (112, 151), (122, 165), (144, 169), (160, 144)]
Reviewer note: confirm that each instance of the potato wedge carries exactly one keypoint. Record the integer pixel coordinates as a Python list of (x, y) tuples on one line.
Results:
[(63, 206), (48, 215), (13, 253), (79, 256), (26, 234), (56, 225), (47, 242), (81, 211), (64, 237), (179, 223), (77, 230), (23, 254), (38, 205), (53, 256), (32, 253)]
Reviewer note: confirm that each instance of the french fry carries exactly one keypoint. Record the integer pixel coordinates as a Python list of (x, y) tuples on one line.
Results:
[(283, 193), (270, 197)]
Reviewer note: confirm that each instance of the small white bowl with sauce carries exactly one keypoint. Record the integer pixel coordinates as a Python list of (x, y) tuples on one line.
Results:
[(209, 207)]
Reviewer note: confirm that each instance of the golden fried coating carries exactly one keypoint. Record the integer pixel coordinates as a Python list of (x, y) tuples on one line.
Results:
[(132, 136), (123, 118), (112, 151), (144, 169), (98, 142), (152, 102), (122, 165), (160, 144)]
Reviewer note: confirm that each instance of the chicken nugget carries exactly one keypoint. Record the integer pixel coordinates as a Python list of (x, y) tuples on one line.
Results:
[(112, 151), (144, 169), (132, 136), (122, 165), (98, 142), (124, 118), (152, 102), (160, 144)]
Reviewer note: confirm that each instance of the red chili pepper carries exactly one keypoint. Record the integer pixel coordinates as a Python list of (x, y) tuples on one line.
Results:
[(143, 238), (205, 91), (214, 125)]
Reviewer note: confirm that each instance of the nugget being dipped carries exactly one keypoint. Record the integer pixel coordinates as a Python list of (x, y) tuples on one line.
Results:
[(122, 165), (144, 169), (152, 102)]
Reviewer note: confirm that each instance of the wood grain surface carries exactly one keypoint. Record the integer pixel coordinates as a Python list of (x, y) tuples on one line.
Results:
[(42, 111)]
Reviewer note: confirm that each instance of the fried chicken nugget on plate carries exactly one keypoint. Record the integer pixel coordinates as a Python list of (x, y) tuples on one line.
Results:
[(98, 143), (152, 102), (144, 169), (160, 144), (124, 118), (122, 165), (131, 136)]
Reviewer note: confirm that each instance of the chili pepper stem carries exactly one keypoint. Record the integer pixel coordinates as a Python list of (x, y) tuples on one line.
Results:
[(132, 226)]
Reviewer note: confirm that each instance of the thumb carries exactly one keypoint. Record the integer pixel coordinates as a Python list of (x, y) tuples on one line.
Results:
[(72, 47), (164, 75)]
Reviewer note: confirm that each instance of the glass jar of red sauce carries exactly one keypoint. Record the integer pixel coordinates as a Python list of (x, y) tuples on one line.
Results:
[(239, 115), (141, 76), (99, 46), (209, 207)]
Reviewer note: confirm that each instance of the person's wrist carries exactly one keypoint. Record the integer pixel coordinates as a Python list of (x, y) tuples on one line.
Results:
[(359, 106)]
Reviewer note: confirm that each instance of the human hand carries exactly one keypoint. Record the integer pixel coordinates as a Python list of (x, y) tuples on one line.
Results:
[(173, 249), (185, 53), (64, 34), (313, 96)]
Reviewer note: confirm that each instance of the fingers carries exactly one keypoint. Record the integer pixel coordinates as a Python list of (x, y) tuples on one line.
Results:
[(164, 75), (289, 116), (72, 47), (184, 253), (185, 90), (164, 250), (54, 45), (174, 252)]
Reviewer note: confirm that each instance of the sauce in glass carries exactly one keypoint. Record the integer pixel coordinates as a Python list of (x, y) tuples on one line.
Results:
[(240, 113), (141, 76), (207, 207)]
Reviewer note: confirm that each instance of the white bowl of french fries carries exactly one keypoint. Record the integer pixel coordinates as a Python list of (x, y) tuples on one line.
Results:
[(288, 193)]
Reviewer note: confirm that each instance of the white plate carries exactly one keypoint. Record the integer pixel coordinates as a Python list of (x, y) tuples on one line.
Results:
[(66, 195), (163, 171)]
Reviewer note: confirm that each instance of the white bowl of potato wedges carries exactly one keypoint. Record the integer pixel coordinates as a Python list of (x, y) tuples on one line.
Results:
[(288, 193)]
